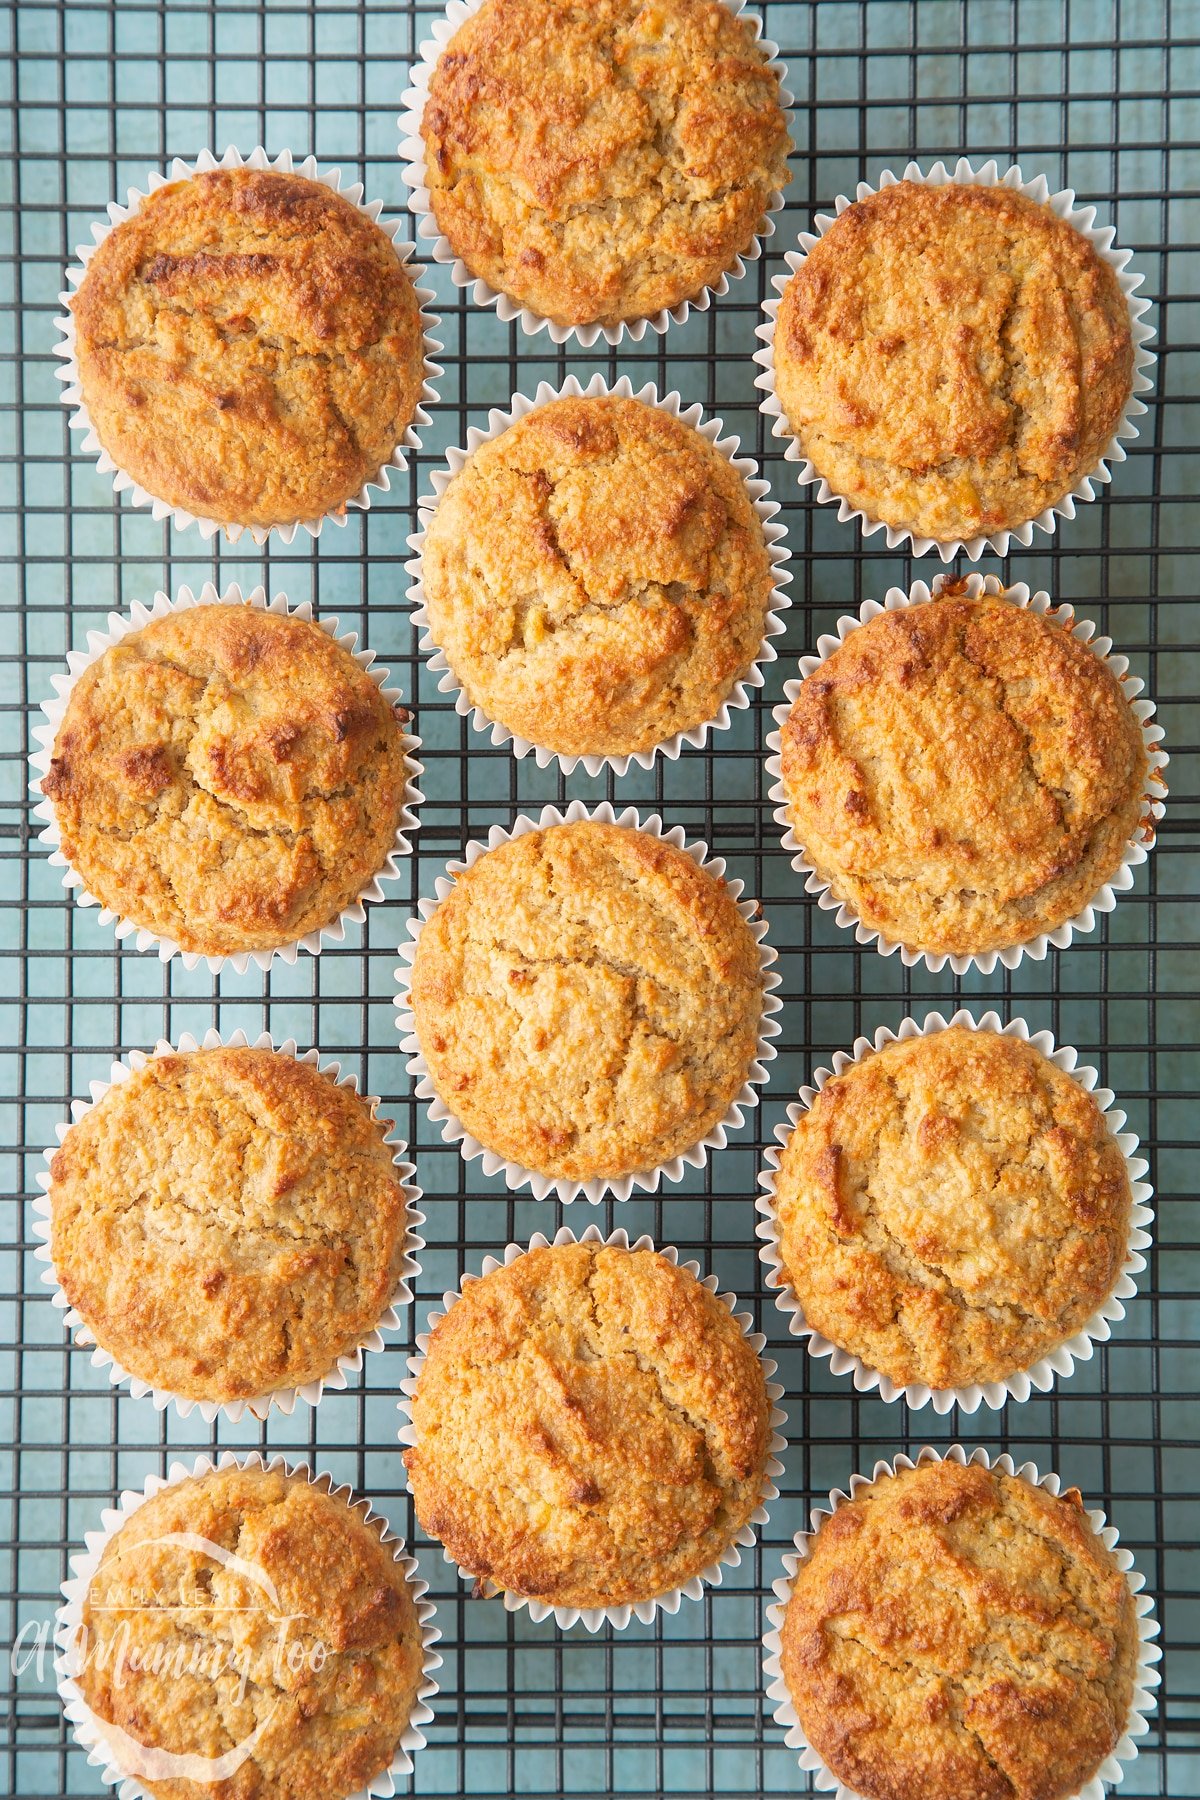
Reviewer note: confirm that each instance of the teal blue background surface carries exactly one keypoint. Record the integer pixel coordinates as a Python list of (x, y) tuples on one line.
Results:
[(1105, 97)]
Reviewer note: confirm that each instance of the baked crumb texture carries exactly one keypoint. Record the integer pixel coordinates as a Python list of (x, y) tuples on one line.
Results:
[(597, 577), (952, 1208), (601, 162), (325, 1733), (249, 346), (227, 1222), (227, 778), (953, 360), (964, 774), (587, 1000), (591, 1427), (957, 1632)]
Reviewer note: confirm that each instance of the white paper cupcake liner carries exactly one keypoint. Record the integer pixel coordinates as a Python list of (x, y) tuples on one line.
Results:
[(72, 394), (118, 626), (1137, 850), (620, 1187), (281, 1399), (96, 1735), (1083, 219), (412, 155), (774, 534), (1146, 1678), (1061, 1361), (592, 1617)]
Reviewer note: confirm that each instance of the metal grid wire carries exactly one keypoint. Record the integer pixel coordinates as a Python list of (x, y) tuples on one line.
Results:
[(99, 94)]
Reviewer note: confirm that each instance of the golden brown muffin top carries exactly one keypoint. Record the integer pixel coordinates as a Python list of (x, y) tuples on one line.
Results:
[(952, 1208), (227, 1222), (964, 774), (592, 1427), (953, 360), (587, 1000), (249, 346), (957, 1631), (600, 162), (310, 1576), (228, 778), (597, 577)]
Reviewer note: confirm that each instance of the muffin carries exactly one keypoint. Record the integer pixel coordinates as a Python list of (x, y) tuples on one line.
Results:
[(597, 577), (228, 1222), (624, 1408), (600, 163), (960, 1634), (964, 774), (313, 1691), (953, 360), (587, 1000), (227, 778), (249, 346), (952, 1208)]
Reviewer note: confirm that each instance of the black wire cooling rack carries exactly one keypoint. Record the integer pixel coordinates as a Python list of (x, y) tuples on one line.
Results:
[(1102, 96)]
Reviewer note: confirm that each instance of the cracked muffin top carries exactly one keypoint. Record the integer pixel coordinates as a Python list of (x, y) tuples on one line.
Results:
[(964, 774), (228, 1222), (249, 346), (953, 360), (952, 1208), (587, 1000), (592, 1427), (597, 577), (204, 1649), (601, 162), (227, 777), (957, 1631)]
